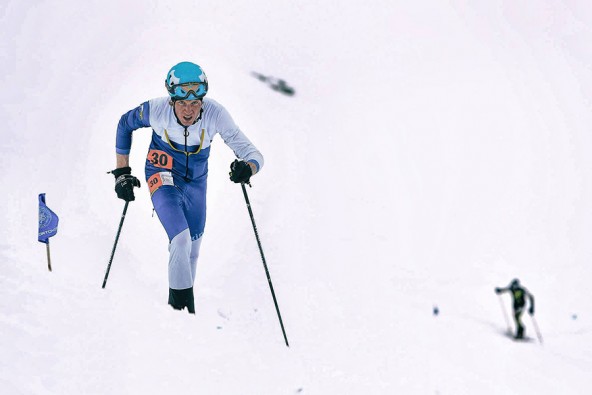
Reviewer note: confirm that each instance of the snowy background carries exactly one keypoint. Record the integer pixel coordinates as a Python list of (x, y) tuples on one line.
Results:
[(433, 151)]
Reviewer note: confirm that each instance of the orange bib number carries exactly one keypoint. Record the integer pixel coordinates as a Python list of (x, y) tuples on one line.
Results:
[(160, 159), (159, 179)]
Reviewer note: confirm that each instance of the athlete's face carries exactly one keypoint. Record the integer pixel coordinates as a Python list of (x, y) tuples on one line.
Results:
[(187, 111)]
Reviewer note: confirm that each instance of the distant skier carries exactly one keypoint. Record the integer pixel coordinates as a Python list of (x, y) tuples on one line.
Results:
[(276, 84), (183, 127), (519, 295)]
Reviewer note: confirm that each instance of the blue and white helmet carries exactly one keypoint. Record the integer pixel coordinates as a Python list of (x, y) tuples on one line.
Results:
[(186, 81)]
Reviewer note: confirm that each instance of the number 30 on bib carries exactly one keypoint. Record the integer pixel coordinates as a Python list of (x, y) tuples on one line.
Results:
[(159, 179), (158, 158)]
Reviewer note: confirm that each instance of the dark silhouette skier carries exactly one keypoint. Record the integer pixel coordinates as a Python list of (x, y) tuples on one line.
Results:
[(276, 84), (519, 296)]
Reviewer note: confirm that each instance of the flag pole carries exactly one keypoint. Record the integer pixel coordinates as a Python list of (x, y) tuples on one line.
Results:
[(48, 257)]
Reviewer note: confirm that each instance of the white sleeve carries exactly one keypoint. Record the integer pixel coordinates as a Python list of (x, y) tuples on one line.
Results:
[(236, 139)]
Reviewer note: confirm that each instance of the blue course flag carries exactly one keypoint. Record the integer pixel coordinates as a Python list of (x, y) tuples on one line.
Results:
[(48, 221)]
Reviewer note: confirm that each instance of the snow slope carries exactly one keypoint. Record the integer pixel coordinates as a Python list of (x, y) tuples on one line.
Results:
[(432, 152)]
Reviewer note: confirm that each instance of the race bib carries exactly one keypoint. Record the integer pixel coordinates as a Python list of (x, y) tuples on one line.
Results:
[(159, 179), (160, 159)]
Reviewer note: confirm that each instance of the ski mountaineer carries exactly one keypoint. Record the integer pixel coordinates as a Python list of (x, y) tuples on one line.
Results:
[(519, 295), (183, 127)]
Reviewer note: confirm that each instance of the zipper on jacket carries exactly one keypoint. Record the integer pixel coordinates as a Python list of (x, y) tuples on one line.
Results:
[(186, 134)]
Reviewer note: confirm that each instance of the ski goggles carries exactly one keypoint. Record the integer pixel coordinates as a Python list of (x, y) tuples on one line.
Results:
[(184, 91)]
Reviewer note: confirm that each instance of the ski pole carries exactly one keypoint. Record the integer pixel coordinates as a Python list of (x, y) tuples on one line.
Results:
[(277, 309), (48, 257), (537, 330), (505, 314), (115, 245)]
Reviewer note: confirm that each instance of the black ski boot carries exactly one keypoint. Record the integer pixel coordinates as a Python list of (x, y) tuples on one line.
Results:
[(520, 333), (181, 298)]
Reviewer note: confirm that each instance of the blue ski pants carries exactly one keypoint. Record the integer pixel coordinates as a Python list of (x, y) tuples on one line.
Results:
[(181, 208)]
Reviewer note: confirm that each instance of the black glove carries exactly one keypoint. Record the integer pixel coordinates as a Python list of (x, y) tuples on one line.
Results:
[(531, 311), (498, 290), (240, 171), (125, 183)]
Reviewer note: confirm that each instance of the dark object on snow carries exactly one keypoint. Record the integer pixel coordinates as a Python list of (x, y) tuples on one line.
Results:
[(436, 311), (181, 298), (519, 296), (574, 317), (276, 84), (523, 339)]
